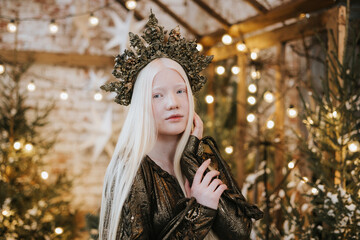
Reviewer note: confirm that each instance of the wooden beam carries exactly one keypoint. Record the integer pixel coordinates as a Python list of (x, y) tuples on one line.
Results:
[(278, 14), (213, 14), (177, 18), (137, 15), (265, 40), (63, 59), (258, 6)]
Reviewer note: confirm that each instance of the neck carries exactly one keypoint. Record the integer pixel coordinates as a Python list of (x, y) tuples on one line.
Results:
[(164, 149)]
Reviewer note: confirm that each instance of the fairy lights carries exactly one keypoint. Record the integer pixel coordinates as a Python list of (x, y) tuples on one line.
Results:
[(11, 26), (53, 27), (226, 39), (199, 47), (94, 21)]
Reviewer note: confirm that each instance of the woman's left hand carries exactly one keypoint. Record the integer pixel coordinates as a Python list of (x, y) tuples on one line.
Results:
[(198, 126)]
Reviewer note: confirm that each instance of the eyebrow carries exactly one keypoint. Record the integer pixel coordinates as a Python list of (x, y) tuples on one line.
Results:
[(176, 85)]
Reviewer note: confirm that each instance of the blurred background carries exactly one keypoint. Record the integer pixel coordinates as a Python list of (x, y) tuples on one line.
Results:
[(282, 102)]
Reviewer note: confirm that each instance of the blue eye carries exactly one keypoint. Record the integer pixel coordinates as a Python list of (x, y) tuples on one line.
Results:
[(181, 91), (156, 95)]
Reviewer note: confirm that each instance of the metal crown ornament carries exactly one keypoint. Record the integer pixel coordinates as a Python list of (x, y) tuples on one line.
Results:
[(129, 64)]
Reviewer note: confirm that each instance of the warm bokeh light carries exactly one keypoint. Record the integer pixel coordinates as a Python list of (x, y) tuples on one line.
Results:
[(292, 112), (131, 4), (94, 21), (354, 147), (28, 147), (199, 47), (209, 99), (255, 75), (251, 100), (31, 86), (64, 95), (269, 96), (59, 230), (250, 117), (241, 47), (235, 70), (53, 27), (304, 179), (252, 88), (2, 68), (314, 191), (291, 165), (226, 39), (6, 213), (17, 145), (254, 55), (44, 175), (11, 26), (270, 124), (98, 96), (229, 149), (220, 70)]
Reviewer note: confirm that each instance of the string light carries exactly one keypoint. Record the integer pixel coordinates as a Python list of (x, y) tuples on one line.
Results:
[(269, 96), (6, 213), (59, 230), (304, 180), (11, 26), (17, 145), (241, 47), (94, 21), (199, 47), (255, 75), (314, 191), (209, 99), (353, 147), (251, 100), (334, 114), (270, 124), (254, 55), (64, 95), (252, 88), (53, 27), (291, 165), (31, 86), (235, 70), (292, 112), (98, 96), (250, 117), (44, 175), (229, 149), (226, 39), (2, 68), (131, 4), (28, 147), (220, 70)]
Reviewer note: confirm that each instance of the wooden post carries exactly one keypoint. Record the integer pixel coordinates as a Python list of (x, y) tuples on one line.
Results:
[(279, 122), (240, 154)]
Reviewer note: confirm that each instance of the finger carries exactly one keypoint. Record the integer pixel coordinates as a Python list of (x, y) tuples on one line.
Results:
[(220, 190), (207, 179), (200, 172), (214, 184), (187, 188)]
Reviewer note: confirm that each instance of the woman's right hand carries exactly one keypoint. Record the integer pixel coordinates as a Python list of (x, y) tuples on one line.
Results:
[(206, 191)]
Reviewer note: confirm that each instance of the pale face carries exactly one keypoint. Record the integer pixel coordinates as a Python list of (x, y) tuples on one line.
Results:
[(170, 103)]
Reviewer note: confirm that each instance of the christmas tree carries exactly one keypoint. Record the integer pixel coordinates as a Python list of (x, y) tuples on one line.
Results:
[(34, 204)]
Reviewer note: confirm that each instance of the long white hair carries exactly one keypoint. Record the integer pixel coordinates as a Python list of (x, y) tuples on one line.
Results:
[(136, 139)]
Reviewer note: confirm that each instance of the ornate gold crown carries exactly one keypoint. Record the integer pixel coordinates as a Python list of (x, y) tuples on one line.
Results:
[(129, 64)]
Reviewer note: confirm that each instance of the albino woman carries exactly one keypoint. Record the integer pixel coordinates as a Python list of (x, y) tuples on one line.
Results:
[(158, 184)]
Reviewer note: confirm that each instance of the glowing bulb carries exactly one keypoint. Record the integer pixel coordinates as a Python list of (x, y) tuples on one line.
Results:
[(335, 114), (131, 4), (11, 26), (291, 165), (255, 75), (254, 55), (250, 117), (6, 213), (31, 86), (252, 88), (64, 95), (28, 146), (270, 124), (292, 112), (59, 230), (251, 100), (241, 47), (226, 39), (209, 99), (199, 47), (314, 191), (235, 70), (53, 27), (304, 179), (98, 96), (44, 175), (268, 97), (229, 149), (220, 70), (2, 68), (17, 145), (354, 147), (94, 21)]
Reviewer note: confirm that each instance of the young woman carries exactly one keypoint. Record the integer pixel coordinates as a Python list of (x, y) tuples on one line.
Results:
[(157, 185)]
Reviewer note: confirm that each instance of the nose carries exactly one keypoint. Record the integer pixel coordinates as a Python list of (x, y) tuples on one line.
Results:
[(172, 101)]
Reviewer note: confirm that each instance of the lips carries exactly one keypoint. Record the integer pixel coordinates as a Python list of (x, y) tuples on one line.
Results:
[(174, 116)]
